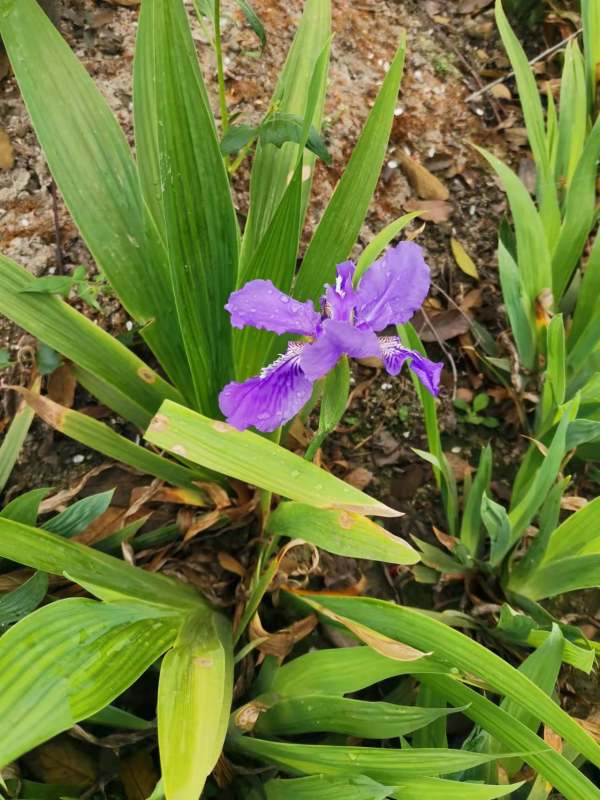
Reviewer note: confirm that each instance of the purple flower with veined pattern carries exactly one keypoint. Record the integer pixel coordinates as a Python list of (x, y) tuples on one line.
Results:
[(389, 293)]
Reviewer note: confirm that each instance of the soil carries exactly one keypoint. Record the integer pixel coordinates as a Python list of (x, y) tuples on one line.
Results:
[(450, 55)]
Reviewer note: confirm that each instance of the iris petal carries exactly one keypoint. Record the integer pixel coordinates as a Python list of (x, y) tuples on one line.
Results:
[(335, 340), (393, 288), (339, 300), (261, 304), (394, 354), (270, 399)]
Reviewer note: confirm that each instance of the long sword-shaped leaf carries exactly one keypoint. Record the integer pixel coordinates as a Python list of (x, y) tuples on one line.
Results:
[(451, 647), (325, 787), (110, 577), (194, 701), (175, 127), (340, 532), (273, 166), (390, 766), (534, 120), (343, 217), (256, 460), (94, 169), (590, 13), (97, 435), (68, 660), (533, 256), (325, 713), (77, 338), (579, 214), (515, 735)]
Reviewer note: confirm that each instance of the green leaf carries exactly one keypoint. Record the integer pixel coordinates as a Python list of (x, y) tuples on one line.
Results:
[(584, 334), (194, 700), (14, 437), (47, 359), (113, 717), (531, 104), (77, 338), (100, 437), (574, 534), (280, 128), (497, 523), (379, 242), (24, 508), (341, 222), (322, 713), (556, 359), (513, 734), (93, 166), (343, 671), (470, 529), (24, 599), (274, 259), (562, 575), (195, 199), (342, 532), (272, 167), (256, 460), (590, 15), (68, 660), (237, 136), (51, 284), (253, 20), (78, 516), (520, 312), (110, 577), (387, 765), (336, 389), (326, 787), (459, 651), (579, 214), (524, 509), (572, 123), (533, 256), (542, 667)]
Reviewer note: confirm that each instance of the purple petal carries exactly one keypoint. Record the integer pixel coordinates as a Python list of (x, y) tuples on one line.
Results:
[(335, 340), (270, 399), (339, 300), (393, 288), (260, 304), (394, 354)]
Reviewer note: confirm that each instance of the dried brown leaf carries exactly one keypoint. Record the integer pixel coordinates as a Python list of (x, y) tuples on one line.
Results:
[(138, 775), (61, 386), (63, 761), (281, 643), (7, 156), (430, 210), (425, 184)]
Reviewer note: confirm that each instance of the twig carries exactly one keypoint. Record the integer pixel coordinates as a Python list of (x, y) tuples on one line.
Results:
[(476, 95), (57, 232)]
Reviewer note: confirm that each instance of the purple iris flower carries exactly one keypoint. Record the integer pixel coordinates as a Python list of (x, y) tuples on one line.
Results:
[(389, 293)]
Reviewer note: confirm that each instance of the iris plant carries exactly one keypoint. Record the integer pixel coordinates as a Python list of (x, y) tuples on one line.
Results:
[(389, 293)]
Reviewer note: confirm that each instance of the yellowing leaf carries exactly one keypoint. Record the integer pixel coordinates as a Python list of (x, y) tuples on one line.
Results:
[(463, 259)]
